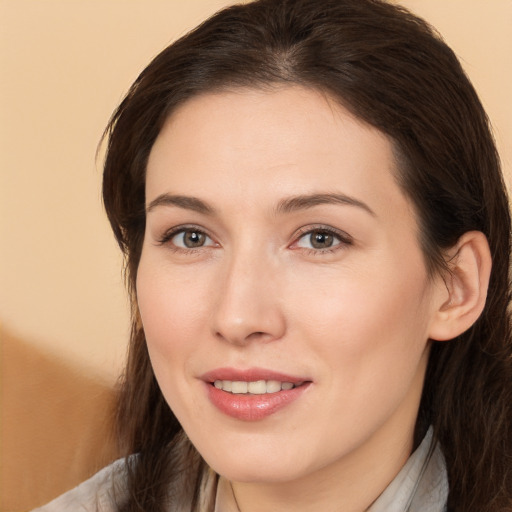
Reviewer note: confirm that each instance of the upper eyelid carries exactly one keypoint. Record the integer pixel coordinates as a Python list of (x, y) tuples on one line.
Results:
[(343, 235), (172, 232)]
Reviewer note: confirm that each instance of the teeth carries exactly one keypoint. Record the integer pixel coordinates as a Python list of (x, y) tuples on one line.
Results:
[(238, 387), (273, 386), (258, 387)]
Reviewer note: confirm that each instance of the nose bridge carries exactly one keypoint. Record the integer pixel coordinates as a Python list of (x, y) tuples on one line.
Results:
[(248, 303)]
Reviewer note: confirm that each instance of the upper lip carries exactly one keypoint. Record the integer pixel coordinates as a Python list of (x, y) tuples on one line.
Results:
[(250, 375)]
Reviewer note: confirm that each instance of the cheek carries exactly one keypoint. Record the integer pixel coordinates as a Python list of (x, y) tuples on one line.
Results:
[(168, 302), (370, 325), (362, 301), (172, 314)]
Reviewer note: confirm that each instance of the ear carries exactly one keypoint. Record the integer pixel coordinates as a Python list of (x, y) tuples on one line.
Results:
[(463, 299)]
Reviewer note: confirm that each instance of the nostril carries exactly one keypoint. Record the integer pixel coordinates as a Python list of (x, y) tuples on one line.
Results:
[(258, 335)]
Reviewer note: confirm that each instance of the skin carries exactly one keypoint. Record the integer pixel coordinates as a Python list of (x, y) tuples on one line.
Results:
[(354, 318)]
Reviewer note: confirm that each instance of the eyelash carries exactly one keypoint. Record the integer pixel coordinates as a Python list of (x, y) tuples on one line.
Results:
[(343, 239)]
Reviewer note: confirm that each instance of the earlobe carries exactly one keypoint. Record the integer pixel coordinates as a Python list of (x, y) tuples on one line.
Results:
[(466, 286)]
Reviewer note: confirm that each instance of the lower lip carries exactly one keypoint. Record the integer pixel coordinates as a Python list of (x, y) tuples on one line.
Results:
[(253, 407)]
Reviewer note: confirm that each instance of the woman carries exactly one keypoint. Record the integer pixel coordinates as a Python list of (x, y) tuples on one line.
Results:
[(316, 234)]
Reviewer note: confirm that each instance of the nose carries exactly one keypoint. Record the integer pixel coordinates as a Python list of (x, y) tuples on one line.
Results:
[(249, 306)]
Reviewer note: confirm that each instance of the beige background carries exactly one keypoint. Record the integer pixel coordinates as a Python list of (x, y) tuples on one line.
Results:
[(64, 66)]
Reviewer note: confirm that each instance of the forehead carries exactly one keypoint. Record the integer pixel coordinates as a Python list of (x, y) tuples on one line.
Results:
[(250, 144)]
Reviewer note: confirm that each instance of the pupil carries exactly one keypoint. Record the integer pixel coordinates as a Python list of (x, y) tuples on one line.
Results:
[(321, 240), (193, 239)]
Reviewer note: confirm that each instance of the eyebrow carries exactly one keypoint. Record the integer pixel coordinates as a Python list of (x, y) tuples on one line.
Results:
[(288, 205), (304, 202), (185, 202)]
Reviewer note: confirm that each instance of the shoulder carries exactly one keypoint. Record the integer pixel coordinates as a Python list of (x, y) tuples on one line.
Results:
[(101, 493)]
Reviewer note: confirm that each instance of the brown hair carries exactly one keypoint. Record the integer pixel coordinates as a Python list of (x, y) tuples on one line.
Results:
[(393, 71)]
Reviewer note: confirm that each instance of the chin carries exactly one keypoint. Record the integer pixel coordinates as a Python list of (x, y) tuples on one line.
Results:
[(259, 467)]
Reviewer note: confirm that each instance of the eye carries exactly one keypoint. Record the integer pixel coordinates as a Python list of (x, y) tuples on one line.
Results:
[(321, 239), (188, 238), (317, 240)]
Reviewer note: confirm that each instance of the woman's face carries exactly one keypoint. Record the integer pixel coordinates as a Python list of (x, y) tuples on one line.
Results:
[(280, 251)]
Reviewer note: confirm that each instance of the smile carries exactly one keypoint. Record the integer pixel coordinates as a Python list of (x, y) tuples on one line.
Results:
[(257, 387)]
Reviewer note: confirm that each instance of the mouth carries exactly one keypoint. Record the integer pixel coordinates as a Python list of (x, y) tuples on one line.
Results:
[(252, 394)]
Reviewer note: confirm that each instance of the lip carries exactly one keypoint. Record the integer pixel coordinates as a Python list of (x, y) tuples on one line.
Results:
[(250, 374), (252, 407)]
